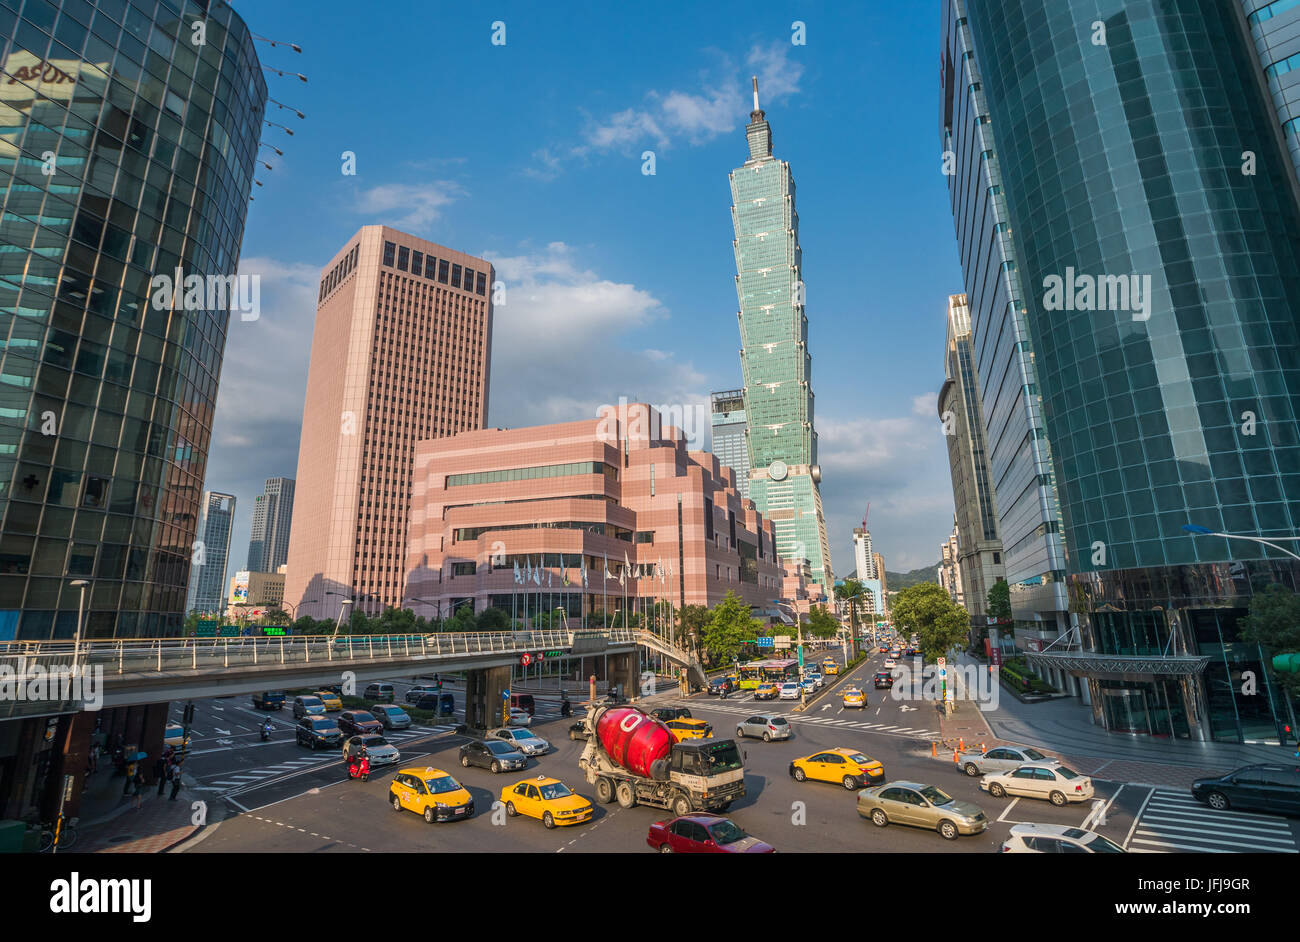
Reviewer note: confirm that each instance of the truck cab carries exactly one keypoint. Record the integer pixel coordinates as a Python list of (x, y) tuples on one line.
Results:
[(269, 700)]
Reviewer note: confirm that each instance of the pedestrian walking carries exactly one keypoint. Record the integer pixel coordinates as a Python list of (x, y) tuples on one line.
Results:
[(137, 802), (130, 779), (92, 763), (160, 773), (176, 781)]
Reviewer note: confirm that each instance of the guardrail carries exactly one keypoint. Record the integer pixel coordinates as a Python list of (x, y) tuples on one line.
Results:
[(160, 654)]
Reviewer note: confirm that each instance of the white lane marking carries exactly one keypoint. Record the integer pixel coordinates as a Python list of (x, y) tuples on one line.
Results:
[(1137, 817), (1014, 802), (1158, 830), (1204, 822)]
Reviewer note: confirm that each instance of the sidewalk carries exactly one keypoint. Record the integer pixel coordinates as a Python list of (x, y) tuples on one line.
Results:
[(109, 825), (1065, 728)]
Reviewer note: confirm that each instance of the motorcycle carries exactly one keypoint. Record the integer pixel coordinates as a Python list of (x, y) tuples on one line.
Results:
[(266, 731), (565, 708), (359, 767)]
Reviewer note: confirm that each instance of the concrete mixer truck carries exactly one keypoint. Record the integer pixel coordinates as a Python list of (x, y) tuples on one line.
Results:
[(632, 757)]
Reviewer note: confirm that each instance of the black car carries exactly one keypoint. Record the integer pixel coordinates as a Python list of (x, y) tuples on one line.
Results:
[(1269, 787), (317, 731), (355, 722), (720, 686), (670, 713), (883, 679), (494, 754)]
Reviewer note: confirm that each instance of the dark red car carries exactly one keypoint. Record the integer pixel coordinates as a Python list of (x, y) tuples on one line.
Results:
[(883, 679), (357, 722), (703, 834)]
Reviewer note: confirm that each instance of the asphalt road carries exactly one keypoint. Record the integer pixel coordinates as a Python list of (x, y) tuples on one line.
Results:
[(284, 798)]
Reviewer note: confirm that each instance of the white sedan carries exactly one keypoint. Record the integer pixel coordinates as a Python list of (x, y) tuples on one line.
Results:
[(790, 691), (1057, 839), (520, 717), (526, 741), (890, 663), (1056, 783)]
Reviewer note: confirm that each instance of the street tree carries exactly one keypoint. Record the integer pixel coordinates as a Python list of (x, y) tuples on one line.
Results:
[(729, 625), (821, 623), (939, 623), (1274, 624), (999, 599), (694, 620)]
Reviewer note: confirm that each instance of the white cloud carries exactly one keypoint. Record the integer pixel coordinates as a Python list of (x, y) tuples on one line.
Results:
[(418, 203), (567, 341), (900, 465), (719, 105), (926, 405)]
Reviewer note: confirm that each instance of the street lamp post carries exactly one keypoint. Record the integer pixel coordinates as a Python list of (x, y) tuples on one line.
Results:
[(343, 607), (81, 614)]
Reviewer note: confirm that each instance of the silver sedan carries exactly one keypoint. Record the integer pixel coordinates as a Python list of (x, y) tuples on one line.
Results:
[(526, 741), (764, 726), (1001, 759)]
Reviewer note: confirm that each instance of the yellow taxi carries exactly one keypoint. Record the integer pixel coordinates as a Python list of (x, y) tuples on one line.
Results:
[(847, 767), (431, 793), (830, 667), (687, 728), (766, 692), (330, 699), (548, 799), (853, 697)]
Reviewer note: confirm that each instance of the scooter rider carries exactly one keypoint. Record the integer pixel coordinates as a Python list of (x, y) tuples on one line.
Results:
[(267, 728), (565, 708)]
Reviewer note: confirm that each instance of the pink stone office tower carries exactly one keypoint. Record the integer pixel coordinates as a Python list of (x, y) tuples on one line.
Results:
[(399, 355), (533, 520)]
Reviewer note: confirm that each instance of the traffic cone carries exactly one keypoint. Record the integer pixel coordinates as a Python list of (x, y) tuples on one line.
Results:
[(982, 749), (934, 749), (956, 758), (961, 745)]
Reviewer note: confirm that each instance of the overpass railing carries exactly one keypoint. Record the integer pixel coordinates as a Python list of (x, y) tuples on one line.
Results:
[(168, 654)]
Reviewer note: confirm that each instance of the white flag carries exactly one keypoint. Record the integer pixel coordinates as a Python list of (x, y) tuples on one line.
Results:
[(584, 571), (608, 574), (517, 579)]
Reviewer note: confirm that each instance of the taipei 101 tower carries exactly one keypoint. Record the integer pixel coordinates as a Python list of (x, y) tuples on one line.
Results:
[(774, 359)]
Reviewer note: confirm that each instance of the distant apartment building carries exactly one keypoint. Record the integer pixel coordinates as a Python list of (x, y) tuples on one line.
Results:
[(268, 542), (586, 517), (254, 591), (863, 556), (979, 548), (211, 558), (400, 355), (949, 572), (730, 435), (884, 586)]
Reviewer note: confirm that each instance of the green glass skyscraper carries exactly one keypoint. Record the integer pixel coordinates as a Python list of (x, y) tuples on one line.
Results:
[(774, 358)]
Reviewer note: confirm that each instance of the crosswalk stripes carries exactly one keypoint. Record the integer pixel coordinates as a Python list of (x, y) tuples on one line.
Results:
[(1175, 822)]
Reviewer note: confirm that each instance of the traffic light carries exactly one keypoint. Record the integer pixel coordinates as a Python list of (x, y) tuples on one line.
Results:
[(1287, 663), (188, 718)]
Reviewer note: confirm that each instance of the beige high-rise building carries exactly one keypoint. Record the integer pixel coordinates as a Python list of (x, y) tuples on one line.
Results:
[(400, 354), (880, 574)]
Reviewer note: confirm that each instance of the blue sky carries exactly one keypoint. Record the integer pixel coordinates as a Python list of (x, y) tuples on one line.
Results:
[(618, 283)]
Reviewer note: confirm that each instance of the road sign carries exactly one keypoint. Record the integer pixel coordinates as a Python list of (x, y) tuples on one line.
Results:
[(941, 661), (782, 640), (207, 628), (764, 642), (526, 660), (229, 631)]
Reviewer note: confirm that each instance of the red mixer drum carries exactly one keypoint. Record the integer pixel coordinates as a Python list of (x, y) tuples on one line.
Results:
[(638, 742)]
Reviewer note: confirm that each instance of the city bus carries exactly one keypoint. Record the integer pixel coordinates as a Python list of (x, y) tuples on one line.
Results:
[(772, 671)]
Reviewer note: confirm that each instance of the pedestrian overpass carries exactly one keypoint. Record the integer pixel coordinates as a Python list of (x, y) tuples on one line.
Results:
[(140, 671)]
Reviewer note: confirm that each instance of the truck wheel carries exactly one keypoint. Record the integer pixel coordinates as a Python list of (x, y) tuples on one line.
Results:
[(681, 805), (604, 791), (626, 797), (724, 806)]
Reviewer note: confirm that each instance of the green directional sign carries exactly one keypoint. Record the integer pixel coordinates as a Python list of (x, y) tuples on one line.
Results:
[(801, 655), (207, 628), (230, 631), (273, 630)]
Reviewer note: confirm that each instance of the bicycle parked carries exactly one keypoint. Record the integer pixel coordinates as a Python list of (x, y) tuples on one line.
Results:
[(67, 835)]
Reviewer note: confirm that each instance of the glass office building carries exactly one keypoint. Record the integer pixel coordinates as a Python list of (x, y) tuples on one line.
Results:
[(731, 434), (774, 358), (127, 141), (1162, 296)]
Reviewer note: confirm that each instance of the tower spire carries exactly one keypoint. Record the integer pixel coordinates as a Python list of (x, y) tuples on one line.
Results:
[(756, 115)]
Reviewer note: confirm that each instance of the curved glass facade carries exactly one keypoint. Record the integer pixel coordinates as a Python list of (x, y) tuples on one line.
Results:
[(126, 151), (1124, 160)]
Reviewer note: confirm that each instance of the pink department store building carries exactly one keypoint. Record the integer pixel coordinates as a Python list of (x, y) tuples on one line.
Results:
[(555, 498)]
